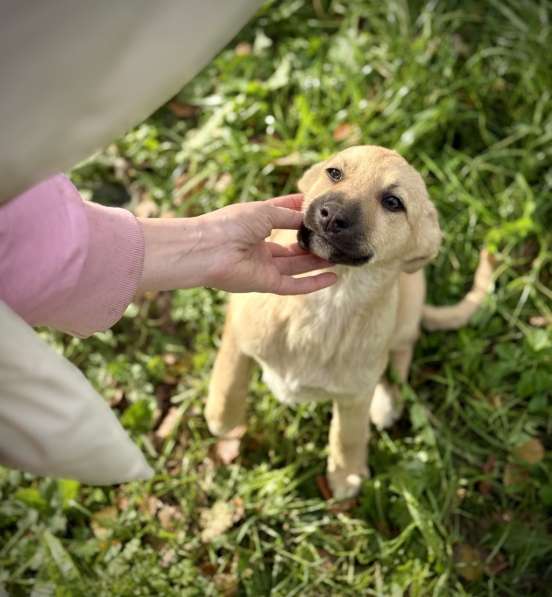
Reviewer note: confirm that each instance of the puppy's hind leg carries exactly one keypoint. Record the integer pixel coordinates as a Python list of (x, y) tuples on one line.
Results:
[(387, 404), (227, 400), (349, 434)]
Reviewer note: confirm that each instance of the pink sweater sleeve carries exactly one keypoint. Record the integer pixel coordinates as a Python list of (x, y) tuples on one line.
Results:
[(68, 263)]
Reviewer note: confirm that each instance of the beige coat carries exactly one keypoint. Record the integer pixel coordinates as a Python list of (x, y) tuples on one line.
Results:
[(74, 76)]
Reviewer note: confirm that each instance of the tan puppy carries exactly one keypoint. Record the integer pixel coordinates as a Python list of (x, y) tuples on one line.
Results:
[(366, 210)]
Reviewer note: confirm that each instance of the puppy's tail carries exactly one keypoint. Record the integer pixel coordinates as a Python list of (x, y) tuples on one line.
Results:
[(455, 316)]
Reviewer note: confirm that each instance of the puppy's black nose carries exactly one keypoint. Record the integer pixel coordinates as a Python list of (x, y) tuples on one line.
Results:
[(333, 218)]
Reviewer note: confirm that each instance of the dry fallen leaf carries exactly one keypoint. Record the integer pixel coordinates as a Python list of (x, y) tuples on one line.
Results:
[(227, 450), (150, 505), (530, 452), (168, 557), (497, 565), (324, 487), (103, 522), (219, 518), (485, 486), (342, 131), (122, 501), (540, 321), (514, 475), (343, 506), (293, 159), (169, 423), (182, 110), (223, 182), (146, 207), (346, 132), (169, 516), (468, 562), (243, 49), (226, 584)]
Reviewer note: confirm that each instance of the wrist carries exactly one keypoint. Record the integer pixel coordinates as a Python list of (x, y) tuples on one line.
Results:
[(175, 253)]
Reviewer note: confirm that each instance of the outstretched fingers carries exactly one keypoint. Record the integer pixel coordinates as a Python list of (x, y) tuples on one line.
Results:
[(294, 201), (299, 264), (277, 250), (304, 285)]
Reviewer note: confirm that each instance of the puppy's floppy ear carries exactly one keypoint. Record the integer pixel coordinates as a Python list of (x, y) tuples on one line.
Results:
[(427, 240), (309, 178)]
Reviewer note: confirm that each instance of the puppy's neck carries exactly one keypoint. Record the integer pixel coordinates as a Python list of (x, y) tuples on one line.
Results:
[(362, 286)]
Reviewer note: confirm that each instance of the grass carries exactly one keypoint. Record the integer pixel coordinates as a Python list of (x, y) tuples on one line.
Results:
[(460, 499)]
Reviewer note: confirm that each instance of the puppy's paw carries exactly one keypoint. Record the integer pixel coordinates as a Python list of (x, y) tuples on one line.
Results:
[(386, 406), (217, 426), (223, 428), (221, 420), (346, 484)]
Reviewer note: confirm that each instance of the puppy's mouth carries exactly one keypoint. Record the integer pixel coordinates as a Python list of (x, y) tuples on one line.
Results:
[(320, 245)]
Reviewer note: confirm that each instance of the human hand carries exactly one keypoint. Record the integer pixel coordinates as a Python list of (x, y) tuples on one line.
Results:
[(227, 249), (245, 262)]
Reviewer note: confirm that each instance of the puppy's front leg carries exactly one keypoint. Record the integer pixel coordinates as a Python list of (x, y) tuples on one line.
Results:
[(227, 399), (387, 404), (349, 434)]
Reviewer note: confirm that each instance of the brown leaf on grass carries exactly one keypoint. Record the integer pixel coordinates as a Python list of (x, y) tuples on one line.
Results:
[(219, 518), (103, 521), (243, 49), (497, 565), (181, 180), (459, 45), (185, 187), (169, 517), (169, 423), (326, 491), (170, 359), (146, 207), (490, 464), (174, 467), (182, 110), (208, 568), (346, 132), (122, 501), (324, 487), (150, 505), (293, 159), (327, 560), (226, 584), (468, 562), (343, 506), (514, 475), (342, 131), (227, 450), (223, 182), (530, 451), (168, 557), (116, 397), (540, 321), (485, 486), (495, 400)]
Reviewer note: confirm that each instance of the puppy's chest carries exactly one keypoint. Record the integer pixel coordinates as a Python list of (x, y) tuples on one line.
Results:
[(326, 353)]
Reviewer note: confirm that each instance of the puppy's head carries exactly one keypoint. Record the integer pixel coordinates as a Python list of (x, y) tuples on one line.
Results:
[(367, 204)]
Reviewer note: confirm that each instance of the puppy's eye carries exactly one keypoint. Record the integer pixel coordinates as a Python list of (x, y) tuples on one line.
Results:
[(392, 203), (335, 174)]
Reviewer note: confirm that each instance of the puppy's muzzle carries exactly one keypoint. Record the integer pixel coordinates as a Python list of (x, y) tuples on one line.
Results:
[(337, 223)]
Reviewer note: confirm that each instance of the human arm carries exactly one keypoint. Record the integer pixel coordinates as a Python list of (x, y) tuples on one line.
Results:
[(227, 249), (75, 266)]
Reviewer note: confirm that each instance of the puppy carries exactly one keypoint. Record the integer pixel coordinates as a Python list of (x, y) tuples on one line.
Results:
[(367, 211)]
